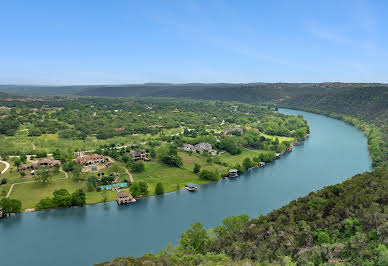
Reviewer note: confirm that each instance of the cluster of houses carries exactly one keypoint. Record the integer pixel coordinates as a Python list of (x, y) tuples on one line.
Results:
[(41, 163), (200, 148)]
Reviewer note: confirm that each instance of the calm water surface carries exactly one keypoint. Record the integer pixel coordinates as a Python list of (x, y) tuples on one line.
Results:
[(96, 233)]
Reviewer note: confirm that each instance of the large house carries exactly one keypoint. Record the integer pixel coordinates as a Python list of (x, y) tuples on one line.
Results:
[(40, 163), (139, 155), (91, 159), (200, 147), (231, 130)]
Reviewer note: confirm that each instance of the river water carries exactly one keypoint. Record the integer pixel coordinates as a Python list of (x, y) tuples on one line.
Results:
[(96, 233)]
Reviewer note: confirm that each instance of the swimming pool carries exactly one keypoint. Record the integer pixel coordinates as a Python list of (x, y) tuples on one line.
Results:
[(118, 185)]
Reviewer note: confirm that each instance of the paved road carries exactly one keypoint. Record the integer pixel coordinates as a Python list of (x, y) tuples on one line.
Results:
[(33, 181), (6, 166)]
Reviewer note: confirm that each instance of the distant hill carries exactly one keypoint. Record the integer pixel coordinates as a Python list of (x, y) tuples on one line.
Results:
[(247, 92)]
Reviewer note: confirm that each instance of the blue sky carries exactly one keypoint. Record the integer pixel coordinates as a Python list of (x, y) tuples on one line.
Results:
[(116, 42)]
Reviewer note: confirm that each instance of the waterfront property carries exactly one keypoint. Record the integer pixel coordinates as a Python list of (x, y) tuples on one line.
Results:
[(139, 155), (191, 187), (233, 173), (124, 198), (261, 164)]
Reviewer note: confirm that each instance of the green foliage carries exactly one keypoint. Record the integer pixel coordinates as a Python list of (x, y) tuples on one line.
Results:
[(43, 174), (139, 188), (197, 168), (63, 199), (208, 175), (137, 167), (10, 205), (194, 240), (159, 189)]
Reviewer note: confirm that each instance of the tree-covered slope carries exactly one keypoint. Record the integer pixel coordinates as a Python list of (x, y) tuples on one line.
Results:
[(344, 223)]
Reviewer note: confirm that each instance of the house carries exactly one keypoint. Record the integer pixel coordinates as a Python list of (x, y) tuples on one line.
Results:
[(233, 173), (261, 164), (188, 147), (91, 159), (231, 130), (41, 163), (156, 126), (201, 147), (124, 198), (139, 155)]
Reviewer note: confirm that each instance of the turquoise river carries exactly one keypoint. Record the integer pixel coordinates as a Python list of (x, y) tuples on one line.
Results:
[(334, 152)]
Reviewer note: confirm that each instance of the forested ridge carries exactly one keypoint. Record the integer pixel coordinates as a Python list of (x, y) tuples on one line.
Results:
[(343, 224)]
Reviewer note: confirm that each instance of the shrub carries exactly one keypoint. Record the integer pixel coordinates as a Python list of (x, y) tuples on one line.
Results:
[(159, 189)]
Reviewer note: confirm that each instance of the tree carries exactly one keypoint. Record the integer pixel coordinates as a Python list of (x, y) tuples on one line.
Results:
[(139, 188), (208, 175), (3, 181), (42, 175), (197, 168), (159, 189), (194, 240), (78, 198), (17, 163), (247, 163), (92, 183), (104, 195), (46, 203), (137, 167), (62, 198), (231, 225), (10, 205), (76, 173)]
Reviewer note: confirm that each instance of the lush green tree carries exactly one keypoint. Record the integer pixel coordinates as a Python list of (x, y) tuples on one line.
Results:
[(137, 167), (194, 240), (10, 205), (92, 183), (46, 203), (247, 163), (159, 189), (62, 198), (208, 175), (139, 188), (42, 175), (197, 168), (76, 172), (78, 198)]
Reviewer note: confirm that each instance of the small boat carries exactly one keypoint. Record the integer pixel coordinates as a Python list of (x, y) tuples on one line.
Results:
[(191, 187)]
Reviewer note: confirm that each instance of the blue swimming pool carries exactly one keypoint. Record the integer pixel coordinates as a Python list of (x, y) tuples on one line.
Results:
[(118, 185)]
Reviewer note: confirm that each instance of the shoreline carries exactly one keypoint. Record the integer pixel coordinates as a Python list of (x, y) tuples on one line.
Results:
[(295, 143)]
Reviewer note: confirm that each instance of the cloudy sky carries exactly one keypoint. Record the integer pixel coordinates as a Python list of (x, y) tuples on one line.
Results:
[(115, 42)]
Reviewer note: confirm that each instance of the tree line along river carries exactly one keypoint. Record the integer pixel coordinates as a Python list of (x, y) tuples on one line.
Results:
[(95, 233)]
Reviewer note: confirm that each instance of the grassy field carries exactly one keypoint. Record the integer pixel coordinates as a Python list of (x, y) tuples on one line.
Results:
[(21, 142)]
